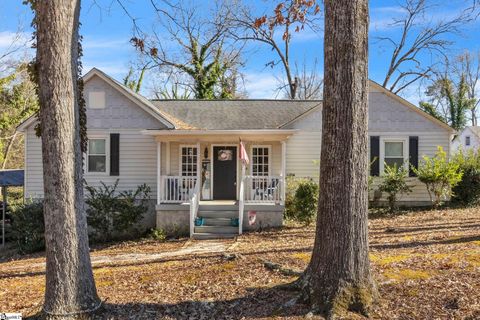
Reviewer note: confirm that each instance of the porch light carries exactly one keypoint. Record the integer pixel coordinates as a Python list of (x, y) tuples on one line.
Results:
[(205, 153)]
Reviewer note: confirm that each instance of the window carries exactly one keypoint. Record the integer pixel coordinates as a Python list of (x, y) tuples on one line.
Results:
[(189, 161), (261, 161), (467, 140), (96, 99), (394, 153), (97, 155)]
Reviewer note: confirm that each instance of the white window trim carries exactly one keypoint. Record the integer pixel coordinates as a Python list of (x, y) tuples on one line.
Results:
[(382, 151), (269, 147), (107, 155), (194, 146)]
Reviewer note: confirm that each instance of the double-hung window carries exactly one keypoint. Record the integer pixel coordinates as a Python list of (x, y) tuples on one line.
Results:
[(394, 153), (261, 161), (467, 141), (188, 164), (97, 155)]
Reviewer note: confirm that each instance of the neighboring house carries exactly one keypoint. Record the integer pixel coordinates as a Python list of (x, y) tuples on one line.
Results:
[(171, 145), (468, 139)]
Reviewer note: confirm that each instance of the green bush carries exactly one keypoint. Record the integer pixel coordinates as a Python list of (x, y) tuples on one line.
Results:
[(306, 201), (28, 227), (157, 234), (467, 191), (394, 183), (439, 175), (113, 214)]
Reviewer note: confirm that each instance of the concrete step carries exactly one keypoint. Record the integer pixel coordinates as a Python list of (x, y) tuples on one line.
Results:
[(217, 222), (218, 207), (217, 214), (207, 236), (216, 229)]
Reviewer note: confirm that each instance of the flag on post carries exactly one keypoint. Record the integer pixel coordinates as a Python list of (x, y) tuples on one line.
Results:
[(243, 154)]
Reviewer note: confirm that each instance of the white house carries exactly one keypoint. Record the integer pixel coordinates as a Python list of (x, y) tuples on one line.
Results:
[(467, 139), (187, 151)]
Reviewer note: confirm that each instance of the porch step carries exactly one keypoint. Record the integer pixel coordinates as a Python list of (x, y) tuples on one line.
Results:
[(207, 236), (217, 214), (217, 222), (216, 230)]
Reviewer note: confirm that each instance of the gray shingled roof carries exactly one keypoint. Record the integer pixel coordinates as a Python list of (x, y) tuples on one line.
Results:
[(233, 114), (476, 130)]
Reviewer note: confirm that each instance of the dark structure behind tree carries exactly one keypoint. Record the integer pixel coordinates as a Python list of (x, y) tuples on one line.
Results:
[(9, 178)]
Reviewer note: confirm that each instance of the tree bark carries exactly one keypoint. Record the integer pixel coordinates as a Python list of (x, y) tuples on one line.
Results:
[(338, 277), (70, 287)]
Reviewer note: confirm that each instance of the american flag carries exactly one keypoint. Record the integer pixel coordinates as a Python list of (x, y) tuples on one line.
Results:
[(243, 154)]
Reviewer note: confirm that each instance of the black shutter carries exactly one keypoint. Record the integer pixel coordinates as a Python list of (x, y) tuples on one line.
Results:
[(413, 155), (114, 154), (374, 156)]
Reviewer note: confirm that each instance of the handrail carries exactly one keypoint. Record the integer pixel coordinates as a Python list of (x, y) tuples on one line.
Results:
[(176, 189), (194, 204), (264, 189)]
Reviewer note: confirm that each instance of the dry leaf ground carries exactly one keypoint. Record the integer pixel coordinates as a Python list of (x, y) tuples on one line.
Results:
[(426, 264)]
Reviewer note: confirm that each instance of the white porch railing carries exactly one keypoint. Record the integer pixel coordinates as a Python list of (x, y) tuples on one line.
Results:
[(176, 189), (194, 204), (264, 189)]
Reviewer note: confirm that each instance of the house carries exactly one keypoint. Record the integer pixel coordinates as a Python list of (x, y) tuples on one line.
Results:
[(467, 139), (172, 145)]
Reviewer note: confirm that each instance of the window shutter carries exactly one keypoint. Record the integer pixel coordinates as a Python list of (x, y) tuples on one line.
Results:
[(114, 154), (374, 156), (413, 155)]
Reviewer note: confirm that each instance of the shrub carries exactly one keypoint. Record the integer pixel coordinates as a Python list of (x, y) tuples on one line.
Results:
[(111, 213), (157, 234), (439, 175), (394, 183), (467, 191), (306, 201), (291, 185), (28, 227)]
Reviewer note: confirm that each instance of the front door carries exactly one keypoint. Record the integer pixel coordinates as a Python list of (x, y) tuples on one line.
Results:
[(225, 173)]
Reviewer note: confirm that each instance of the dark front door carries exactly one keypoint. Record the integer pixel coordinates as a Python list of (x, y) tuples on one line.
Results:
[(224, 173)]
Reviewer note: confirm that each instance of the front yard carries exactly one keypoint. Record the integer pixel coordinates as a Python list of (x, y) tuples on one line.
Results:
[(426, 264)]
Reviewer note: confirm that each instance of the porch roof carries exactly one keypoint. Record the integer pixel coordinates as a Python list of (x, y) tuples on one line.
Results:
[(233, 114), (214, 135)]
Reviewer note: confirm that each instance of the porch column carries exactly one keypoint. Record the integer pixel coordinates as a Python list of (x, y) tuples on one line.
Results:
[(159, 171), (284, 170), (167, 156), (199, 164)]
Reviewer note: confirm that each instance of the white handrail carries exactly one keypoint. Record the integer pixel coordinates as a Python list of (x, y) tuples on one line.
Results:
[(194, 204), (264, 189), (176, 189)]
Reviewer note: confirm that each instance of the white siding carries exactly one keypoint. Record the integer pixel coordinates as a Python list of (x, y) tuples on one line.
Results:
[(138, 153), (459, 142), (138, 164), (387, 118), (120, 112)]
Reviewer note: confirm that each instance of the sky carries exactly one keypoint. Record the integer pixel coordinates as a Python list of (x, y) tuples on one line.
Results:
[(106, 30)]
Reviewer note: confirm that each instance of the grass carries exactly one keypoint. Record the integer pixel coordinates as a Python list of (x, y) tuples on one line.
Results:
[(427, 268)]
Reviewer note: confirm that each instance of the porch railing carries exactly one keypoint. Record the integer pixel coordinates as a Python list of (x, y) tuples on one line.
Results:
[(194, 204), (176, 189), (264, 189)]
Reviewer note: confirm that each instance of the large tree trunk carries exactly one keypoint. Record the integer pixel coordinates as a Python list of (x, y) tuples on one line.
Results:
[(338, 277), (70, 287)]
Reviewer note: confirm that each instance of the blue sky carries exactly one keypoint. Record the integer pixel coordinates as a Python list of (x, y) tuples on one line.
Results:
[(107, 31)]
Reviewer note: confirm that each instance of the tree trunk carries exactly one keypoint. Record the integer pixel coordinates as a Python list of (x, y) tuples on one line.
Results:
[(338, 277), (70, 287), (7, 150)]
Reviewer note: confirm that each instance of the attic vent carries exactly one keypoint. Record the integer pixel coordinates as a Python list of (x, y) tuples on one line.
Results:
[(96, 100)]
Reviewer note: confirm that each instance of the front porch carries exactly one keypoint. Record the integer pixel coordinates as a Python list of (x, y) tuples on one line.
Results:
[(202, 184)]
